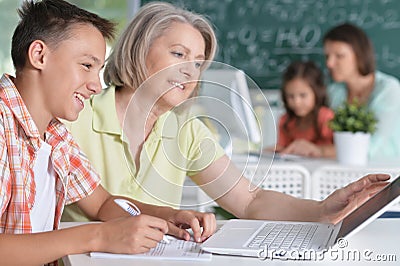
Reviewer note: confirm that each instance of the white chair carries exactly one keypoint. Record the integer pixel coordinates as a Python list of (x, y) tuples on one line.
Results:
[(290, 179), (328, 178)]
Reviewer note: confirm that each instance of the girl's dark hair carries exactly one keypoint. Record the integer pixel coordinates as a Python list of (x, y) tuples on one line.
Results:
[(51, 21), (359, 42), (313, 75)]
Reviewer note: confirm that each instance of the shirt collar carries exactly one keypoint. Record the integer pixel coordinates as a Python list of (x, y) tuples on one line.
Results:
[(166, 126), (171, 123), (11, 97), (105, 117)]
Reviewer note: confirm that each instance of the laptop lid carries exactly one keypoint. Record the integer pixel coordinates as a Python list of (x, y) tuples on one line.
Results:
[(371, 209)]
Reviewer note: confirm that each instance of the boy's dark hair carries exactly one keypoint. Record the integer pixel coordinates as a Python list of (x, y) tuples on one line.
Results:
[(309, 72), (359, 42), (51, 21)]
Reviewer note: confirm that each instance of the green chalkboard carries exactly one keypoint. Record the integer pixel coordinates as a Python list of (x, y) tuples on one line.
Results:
[(263, 36)]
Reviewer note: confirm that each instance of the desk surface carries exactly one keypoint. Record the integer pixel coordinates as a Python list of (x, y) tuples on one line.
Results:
[(379, 241)]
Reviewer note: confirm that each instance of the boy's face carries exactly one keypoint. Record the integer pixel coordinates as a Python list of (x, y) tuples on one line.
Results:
[(70, 72)]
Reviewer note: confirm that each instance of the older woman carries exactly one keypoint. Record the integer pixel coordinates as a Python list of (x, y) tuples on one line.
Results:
[(351, 63), (145, 147)]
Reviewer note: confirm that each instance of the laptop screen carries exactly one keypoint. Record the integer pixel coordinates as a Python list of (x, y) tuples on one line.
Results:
[(370, 207)]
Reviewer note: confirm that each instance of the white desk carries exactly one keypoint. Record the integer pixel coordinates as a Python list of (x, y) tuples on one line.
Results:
[(380, 238)]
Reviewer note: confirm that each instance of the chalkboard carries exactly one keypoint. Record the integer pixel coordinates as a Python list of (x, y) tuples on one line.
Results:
[(263, 36)]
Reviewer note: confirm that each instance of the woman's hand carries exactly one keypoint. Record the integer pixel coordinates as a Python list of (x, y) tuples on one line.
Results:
[(343, 201), (203, 225)]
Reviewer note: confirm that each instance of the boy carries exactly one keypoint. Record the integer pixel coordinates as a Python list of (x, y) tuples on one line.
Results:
[(58, 51)]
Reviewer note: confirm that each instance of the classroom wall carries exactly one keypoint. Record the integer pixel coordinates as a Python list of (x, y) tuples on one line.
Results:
[(263, 36)]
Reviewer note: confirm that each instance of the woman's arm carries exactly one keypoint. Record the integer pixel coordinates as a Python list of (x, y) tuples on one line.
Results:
[(225, 183)]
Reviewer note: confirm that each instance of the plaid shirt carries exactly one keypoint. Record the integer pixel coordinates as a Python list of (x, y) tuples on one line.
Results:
[(19, 143)]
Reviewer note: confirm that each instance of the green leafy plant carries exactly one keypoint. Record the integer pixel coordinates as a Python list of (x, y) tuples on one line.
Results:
[(354, 117)]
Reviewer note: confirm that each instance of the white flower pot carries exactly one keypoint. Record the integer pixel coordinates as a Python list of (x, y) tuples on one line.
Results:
[(352, 148)]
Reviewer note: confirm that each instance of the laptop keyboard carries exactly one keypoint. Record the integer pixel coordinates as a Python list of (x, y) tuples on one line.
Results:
[(284, 236)]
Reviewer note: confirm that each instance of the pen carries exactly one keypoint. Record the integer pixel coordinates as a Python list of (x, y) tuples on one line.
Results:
[(133, 210)]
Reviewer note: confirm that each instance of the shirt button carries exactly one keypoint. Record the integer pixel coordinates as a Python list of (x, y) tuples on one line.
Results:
[(30, 205)]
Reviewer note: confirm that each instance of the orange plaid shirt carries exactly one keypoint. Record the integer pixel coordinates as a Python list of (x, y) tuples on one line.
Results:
[(19, 143)]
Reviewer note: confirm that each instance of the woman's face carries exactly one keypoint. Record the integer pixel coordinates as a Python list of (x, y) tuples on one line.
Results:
[(174, 62), (300, 97), (341, 61)]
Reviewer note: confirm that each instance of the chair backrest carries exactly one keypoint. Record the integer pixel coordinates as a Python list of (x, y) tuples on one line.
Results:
[(326, 179), (290, 179)]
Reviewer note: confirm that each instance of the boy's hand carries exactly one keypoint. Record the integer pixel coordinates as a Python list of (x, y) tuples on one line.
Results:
[(203, 225), (131, 235)]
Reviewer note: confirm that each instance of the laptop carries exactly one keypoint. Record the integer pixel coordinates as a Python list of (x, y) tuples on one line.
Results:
[(278, 239)]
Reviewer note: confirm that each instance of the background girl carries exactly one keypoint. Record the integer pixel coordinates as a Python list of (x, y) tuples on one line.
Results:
[(304, 130)]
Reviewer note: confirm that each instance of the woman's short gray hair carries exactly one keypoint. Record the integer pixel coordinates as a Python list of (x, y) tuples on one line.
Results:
[(126, 63)]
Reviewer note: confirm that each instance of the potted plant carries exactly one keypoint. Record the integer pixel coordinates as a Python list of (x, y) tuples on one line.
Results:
[(353, 125)]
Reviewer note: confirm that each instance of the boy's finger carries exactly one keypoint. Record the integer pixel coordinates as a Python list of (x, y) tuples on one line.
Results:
[(178, 232), (209, 225)]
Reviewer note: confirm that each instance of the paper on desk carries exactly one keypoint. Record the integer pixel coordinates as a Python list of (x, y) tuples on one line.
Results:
[(177, 249), (280, 156)]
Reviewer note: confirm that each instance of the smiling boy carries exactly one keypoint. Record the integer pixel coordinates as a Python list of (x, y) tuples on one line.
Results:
[(58, 51)]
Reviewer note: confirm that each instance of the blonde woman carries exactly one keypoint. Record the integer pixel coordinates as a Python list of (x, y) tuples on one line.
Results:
[(152, 70)]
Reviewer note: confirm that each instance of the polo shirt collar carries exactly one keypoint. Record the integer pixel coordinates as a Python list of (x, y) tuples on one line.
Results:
[(105, 119), (167, 126), (170, 123)]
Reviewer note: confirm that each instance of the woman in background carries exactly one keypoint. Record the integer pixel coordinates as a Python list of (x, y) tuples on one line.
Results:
[(153, 69), (351, 64), (303, 129)]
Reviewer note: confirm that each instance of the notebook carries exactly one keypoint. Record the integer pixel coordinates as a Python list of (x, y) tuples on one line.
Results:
[(276, 239), (176, 249)]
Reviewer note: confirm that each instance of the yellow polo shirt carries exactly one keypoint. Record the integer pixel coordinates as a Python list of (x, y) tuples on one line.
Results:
[(178, 146)]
